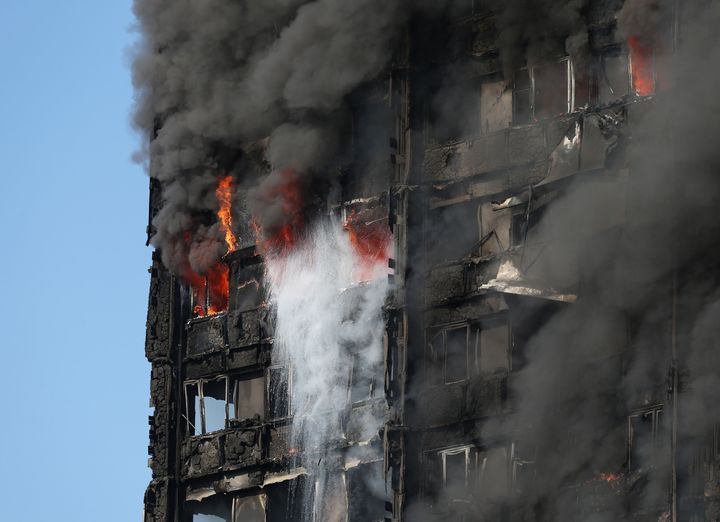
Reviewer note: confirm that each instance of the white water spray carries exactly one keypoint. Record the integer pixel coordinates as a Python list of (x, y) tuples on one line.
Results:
[(328, 332)]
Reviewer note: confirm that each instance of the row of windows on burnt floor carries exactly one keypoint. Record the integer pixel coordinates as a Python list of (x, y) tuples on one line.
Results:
[(479, 229), (358, 494), (454, 353), (537, 93), (213, 404), (476, 473)]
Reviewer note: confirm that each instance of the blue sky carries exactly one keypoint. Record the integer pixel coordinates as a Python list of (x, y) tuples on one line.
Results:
[(73, 207)]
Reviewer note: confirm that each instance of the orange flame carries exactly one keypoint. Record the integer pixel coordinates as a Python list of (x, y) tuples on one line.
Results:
[(215, 282), (282, 239), (223, 193), (371, 243), (641, 59)]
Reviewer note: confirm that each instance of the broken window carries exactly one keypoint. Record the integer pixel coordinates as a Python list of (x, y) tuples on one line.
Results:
[(217, 508), (331, 499), (494, 229), (470, 473), (495, 107), (643, 440), (207, 403), (448, 354), (491, 348), (286, 500), (278, 392), (247, 400)]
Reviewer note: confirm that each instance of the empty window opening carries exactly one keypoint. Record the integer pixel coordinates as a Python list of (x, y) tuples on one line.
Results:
[(470, 473), (455, 354), (363, 378), (522, 97), (366, 493), (614, 77)]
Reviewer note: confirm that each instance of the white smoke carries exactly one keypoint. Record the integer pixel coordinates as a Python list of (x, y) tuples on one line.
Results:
[(323, 317)]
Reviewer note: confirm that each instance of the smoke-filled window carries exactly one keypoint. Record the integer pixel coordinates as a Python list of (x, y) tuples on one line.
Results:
[(362, 379), (495, 107), (523, 466), (542, 91), (491, 345), (614, 77), (452, 232), (644, 442), (366, 493), (522, 97), (470, 474)]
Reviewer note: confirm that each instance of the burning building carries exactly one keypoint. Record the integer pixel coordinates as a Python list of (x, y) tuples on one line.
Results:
[(419, 261)]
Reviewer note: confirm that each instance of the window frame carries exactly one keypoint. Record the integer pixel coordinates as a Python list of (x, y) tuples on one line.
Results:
[(656, 411), (532, 91)]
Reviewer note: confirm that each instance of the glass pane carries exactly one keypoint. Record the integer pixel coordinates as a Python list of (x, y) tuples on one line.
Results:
[(249, 509), (456, 354), (250, 397), (494, 349), (551, 89), (214, 398)]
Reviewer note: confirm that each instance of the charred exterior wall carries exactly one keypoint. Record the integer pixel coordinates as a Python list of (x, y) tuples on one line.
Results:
[(550, 329)]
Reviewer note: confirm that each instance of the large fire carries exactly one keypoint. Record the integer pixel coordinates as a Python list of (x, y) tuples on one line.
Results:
[(371, 242), (641, 59), (210, 291), (223, 193), (281, 239)]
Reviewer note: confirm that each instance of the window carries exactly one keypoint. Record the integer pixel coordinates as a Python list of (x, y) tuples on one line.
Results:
[(614, 77), (523, 467), (366, 494), (449, 357), (542, 91), (448, 354), (491, 344), (222, 508), (495, 107), (249, 509), (210, 403), (470, 473), (643, 440), (247, 400)]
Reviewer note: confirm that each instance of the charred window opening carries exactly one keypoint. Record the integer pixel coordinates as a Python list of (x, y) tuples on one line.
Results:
[(469, 473), (331, 503), (247, 399), (644, 442), (278, 392), (286, 500), (448, 354), (205, 406), (211, 403), (542, 91), (522, 97), (524, 224)]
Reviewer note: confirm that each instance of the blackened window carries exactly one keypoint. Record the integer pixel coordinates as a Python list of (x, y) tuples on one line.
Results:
[(522, 97), (614, 77), (552, 89), (456, 354), (643, 440), (247, 399)]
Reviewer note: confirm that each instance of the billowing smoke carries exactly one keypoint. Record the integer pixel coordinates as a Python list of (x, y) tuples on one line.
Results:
[(328, 335), (213, 76)]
